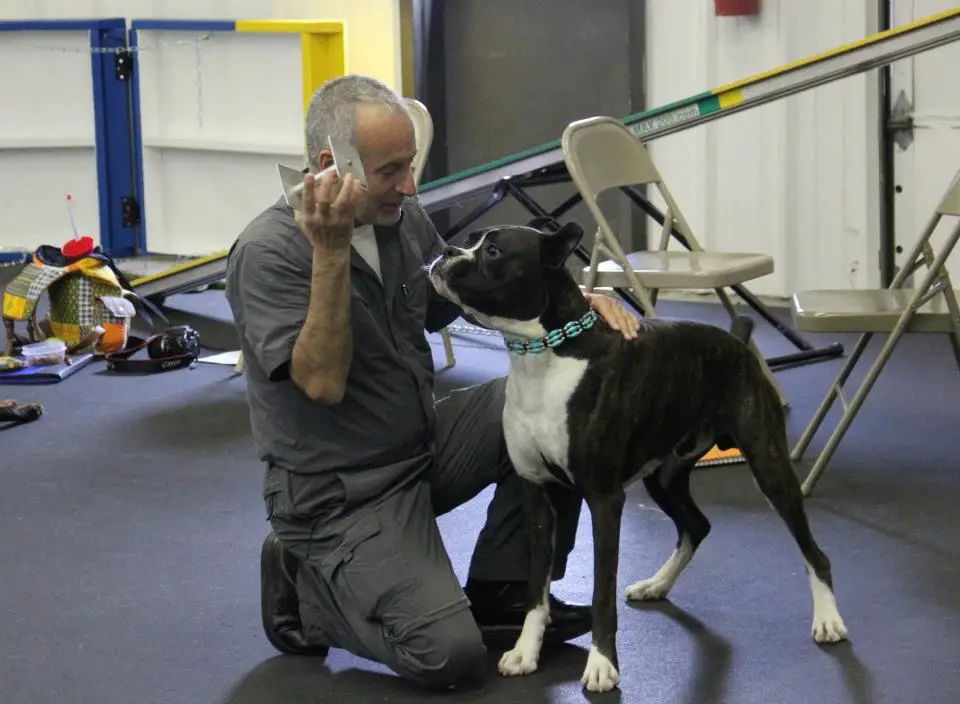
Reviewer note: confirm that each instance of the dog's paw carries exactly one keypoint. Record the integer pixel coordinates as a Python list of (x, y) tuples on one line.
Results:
[(600, 675), (648, 590), (519, 661), (831, 629)]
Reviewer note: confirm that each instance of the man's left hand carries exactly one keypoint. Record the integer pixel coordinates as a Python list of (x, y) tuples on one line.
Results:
[(617, 317)]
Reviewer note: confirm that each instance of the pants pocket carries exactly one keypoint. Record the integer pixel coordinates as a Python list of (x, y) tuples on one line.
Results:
[(354, 569), (393, 576), (274, 494)]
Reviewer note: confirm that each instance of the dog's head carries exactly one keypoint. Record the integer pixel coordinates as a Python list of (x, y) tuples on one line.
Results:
[(505, 275)]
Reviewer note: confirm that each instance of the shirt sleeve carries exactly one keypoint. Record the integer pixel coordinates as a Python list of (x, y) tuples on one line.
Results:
[(270, 296), (440, 311)]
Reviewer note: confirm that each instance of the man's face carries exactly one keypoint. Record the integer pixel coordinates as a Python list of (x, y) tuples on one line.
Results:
[(387, 145)]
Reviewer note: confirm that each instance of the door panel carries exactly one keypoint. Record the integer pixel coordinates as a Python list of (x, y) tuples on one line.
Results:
[(924, 169)]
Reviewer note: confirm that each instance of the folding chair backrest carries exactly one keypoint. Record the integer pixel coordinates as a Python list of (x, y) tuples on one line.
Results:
[(601, 153), (423, 126), (950, 205)]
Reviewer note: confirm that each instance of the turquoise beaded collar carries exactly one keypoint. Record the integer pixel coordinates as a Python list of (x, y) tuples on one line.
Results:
[(554, 337)]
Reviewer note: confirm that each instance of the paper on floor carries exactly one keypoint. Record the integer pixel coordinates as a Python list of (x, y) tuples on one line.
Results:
[(229, 358)]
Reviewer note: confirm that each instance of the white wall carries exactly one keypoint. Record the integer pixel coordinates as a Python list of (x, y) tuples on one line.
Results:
[(797, 178), (218, 113), (371, 23), (46, 138)]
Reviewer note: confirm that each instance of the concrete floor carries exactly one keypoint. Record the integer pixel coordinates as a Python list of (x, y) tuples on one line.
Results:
[(132, 524)]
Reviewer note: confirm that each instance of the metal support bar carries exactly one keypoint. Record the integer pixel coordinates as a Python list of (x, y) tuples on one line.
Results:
[(566, 205), (497, 195)]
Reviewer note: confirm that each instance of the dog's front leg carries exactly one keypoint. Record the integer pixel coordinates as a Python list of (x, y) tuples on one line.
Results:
[(539, 520), (606, 511)]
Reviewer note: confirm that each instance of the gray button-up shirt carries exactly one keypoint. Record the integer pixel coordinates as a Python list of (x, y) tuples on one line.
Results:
[(381, 434)]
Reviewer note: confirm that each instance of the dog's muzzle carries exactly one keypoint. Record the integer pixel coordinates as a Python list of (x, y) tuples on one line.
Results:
[(439, 269), (435, 272)]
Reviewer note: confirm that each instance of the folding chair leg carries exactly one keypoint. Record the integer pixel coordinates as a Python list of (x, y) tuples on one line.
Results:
[(951, 302), (448, 348), (898, 331), (831, 396), (590, 280), (852, 410), (618, 255)]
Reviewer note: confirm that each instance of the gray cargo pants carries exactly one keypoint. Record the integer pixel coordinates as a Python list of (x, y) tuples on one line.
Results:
[(379, 583)]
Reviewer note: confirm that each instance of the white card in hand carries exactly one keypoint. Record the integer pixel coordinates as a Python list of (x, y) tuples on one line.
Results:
[(345, 161), (292, 183)]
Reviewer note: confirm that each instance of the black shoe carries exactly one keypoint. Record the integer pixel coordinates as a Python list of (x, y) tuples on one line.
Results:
[(279, 604), (499, 608)]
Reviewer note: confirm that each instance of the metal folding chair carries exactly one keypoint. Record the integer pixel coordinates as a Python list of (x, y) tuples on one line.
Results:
[(930, 307), (423, 128), (602, 154), (423, 125)]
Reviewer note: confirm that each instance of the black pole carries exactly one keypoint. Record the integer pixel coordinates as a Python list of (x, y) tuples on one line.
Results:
[(430, 88), (886, 145)]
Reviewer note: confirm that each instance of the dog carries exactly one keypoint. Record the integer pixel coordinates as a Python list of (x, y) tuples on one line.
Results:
[(591, 410)]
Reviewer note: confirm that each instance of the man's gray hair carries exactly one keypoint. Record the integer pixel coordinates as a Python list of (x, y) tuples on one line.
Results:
[(333, 111)]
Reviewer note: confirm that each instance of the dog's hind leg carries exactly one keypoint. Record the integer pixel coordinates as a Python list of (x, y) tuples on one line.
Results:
[(606, 510), (768, 456), (539, 520), (692, 527)]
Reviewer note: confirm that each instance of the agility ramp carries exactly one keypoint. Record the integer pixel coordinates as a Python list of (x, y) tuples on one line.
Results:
[(544, 165), (190, 275)]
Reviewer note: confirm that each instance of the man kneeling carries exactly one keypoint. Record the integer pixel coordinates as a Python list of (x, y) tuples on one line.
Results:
[(331, 304)]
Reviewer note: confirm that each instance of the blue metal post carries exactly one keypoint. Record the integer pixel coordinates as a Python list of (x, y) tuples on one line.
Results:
[(136, 126), (112, 78)]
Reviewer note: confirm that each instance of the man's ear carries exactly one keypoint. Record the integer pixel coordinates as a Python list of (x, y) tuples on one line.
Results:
[(324, 159), (556, 247)]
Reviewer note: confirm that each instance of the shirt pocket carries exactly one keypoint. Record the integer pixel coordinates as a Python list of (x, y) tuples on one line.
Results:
[(416, 296)]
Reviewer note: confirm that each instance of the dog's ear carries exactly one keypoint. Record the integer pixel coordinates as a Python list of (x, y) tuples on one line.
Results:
[(556, 247), (474, 236)]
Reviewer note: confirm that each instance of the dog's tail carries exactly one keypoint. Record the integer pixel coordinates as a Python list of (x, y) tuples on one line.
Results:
[(741, 328)]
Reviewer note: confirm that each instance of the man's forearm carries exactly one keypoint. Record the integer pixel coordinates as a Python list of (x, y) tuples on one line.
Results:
[(322, 353)]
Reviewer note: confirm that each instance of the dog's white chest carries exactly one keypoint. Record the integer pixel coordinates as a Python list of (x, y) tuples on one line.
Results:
[(535, 414)]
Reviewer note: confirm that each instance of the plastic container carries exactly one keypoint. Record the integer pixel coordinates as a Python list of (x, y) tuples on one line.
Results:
[(45, 353)]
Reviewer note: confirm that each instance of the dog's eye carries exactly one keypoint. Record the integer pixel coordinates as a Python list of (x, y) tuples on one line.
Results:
[(491, 250)]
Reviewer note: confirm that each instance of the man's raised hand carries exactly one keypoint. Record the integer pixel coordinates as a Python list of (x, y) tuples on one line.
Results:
[(329, 209)]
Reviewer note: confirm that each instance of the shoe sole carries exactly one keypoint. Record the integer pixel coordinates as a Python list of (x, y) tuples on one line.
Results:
[(506, 636), (267, 551)]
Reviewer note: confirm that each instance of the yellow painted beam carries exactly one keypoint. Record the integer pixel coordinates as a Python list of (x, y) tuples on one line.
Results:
[(324, 57), (322, 48), (291, 26), (191, 264), (407, 64), (872, 39), (730, 97)]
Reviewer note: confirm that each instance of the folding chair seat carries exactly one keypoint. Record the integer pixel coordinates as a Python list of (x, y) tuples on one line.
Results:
[(929, 307), (602, 154), (423, 126)]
